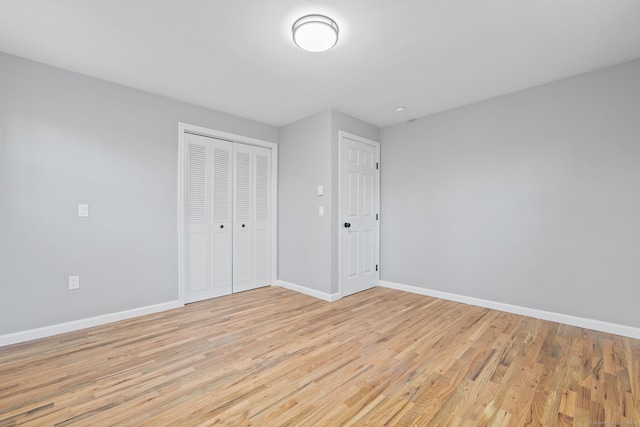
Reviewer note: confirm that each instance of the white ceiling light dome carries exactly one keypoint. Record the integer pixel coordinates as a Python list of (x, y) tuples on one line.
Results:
[(315, 33)]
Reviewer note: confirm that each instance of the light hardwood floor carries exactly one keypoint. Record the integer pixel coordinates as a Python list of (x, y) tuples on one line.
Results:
[(272, 357)]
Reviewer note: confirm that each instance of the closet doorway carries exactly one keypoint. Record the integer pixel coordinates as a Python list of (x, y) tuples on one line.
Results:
[(226, 213)]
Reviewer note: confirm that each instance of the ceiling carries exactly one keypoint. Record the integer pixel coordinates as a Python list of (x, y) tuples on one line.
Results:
[(237, 56)]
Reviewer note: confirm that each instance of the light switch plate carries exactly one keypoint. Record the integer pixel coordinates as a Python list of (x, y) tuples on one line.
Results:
[(321, 211), (320, 190), (83, 210), (74, 282)]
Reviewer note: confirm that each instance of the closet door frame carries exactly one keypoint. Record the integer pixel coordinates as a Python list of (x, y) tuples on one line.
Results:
[(185, 128)]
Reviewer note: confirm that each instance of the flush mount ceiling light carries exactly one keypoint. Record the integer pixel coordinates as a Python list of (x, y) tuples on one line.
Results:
[(315, 33)]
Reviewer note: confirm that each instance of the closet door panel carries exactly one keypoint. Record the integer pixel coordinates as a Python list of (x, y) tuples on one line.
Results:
[(221, 261), (262, 217), (228, 217), (242, 221), (197, 266), (197, 217), (221, 224), (252, 217), (262, 261), (242, 272)]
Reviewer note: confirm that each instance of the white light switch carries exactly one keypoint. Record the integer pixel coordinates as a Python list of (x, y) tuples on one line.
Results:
[(74, 282), (320, 190), (83, 210), (321, 211)]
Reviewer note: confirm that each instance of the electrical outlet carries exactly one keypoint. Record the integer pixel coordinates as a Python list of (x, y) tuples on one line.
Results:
[(74, 282)]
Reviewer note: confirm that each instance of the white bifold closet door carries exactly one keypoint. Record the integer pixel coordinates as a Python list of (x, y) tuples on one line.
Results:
[(251, 217), (228, 206)]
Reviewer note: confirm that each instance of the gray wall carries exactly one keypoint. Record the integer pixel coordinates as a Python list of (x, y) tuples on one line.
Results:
[(308, 157), (67, 139), (304, 238), (530, 199)]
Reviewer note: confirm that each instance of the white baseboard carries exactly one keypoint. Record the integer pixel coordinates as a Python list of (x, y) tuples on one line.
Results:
[(581, 322), (308, 291), (61, 328)]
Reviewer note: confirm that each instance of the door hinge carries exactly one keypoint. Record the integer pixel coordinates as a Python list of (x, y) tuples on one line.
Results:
[(377, 165), (376, 217), (376, 267)]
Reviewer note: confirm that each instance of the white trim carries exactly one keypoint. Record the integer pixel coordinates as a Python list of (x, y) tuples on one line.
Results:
[(232, 137), (274, 213), (181, 265), (61, 328), (212, 133), (308, 291), (581, 322), (342, 134)]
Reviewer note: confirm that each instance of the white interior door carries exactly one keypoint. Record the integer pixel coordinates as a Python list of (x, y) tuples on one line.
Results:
[(226, 210), (359, 214), (262, 218), (252, 219), (197, 227), (208, 217)]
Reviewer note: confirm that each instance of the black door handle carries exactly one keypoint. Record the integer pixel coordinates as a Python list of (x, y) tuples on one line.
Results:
[(347, 225)]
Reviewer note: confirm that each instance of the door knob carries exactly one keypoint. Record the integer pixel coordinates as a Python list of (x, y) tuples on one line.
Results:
[(222, 226), (347, 225), (242, 225)]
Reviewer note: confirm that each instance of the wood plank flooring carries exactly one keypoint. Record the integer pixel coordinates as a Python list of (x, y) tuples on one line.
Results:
[(273, 357)]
